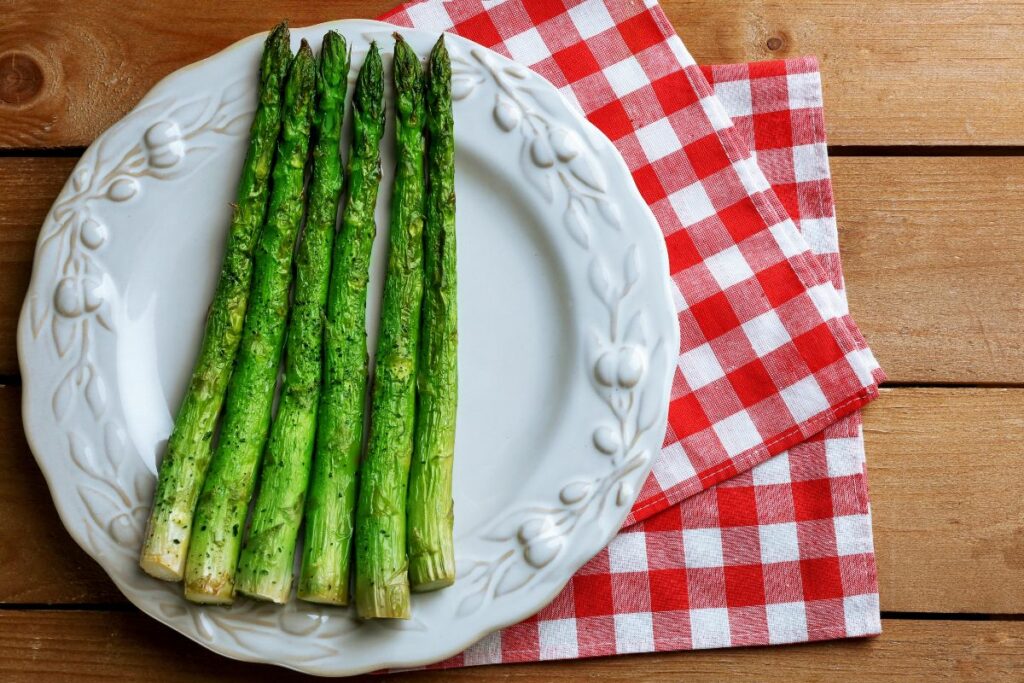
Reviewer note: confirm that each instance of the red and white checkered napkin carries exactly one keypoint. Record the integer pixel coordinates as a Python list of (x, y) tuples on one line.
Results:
[(734, 540)]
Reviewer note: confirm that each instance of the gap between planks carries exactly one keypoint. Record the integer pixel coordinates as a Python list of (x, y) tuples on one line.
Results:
[(833, 151), (71, 646), (128, 608)]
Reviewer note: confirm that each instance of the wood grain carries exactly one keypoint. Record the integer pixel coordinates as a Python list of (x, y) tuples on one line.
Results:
[(127, 646), (28, 187), (934, 258), (944, 470), (39, 563), (932, 249), (933, 254), (920, 72)]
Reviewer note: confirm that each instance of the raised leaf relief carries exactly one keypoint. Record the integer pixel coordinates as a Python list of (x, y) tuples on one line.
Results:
[(622, 380), (554, 153)]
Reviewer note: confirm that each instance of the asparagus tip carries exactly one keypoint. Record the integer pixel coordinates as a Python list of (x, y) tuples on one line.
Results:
[(371, 71), (440, 63), (332, 37), (279, 35)]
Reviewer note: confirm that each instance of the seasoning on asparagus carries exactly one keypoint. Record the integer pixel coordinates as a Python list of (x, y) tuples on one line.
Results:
[(331, 498), (430, 517), (188, 450), (220, 514), (381, 581), (265, 567)]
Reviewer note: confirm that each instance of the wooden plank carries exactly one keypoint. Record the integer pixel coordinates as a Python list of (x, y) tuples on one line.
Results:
[(120, 646), (39, 563), (917, 72), (937, 302), (944, 470), (933, 254), (922, 72), (29, 188), (945, 475)]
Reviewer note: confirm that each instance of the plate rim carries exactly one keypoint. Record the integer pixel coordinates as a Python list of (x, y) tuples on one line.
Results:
[(48, 463)]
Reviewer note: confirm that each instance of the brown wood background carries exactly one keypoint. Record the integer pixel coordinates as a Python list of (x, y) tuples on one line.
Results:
[(925, 109)]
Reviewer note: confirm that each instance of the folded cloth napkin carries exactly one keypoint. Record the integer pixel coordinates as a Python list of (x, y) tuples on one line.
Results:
[(733, 540)]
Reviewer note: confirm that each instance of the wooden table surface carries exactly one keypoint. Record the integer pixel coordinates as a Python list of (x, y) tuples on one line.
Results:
[(925, 109)]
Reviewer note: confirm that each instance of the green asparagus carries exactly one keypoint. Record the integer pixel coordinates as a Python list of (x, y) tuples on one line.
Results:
[(265, 567), (382, 584), (331, 499), (430, 518), (188, 450), (220, 514)]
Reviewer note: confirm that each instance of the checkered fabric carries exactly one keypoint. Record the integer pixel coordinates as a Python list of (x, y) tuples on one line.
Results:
[(726, 545)]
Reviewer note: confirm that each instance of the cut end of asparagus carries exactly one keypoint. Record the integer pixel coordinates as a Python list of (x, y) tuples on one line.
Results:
[(431, 572), (265, 590), (384, 598), (210, 592), (165, 548), (326, 598), (319, 585), (434, 585), (384, 602), (261, 574), (168, 566)]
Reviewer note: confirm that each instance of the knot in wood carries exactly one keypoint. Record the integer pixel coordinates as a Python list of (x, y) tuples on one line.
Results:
[(21, 78)]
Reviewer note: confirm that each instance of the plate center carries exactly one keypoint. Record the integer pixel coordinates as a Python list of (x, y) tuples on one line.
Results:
[(517, 337)]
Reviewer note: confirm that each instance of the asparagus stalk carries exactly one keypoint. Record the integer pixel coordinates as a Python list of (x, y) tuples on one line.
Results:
[(382, 584), (430, 518), (188, 450), (220, 514), (265, 567), (332, 492)]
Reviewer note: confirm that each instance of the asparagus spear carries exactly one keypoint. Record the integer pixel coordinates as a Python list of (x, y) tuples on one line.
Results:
[(431, 554), (382, 585), (220, 515), (265, 567), (332, 491), (188, 450)]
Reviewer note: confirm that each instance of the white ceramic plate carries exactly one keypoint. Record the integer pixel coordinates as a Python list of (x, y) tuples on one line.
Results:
[(567, 334)]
